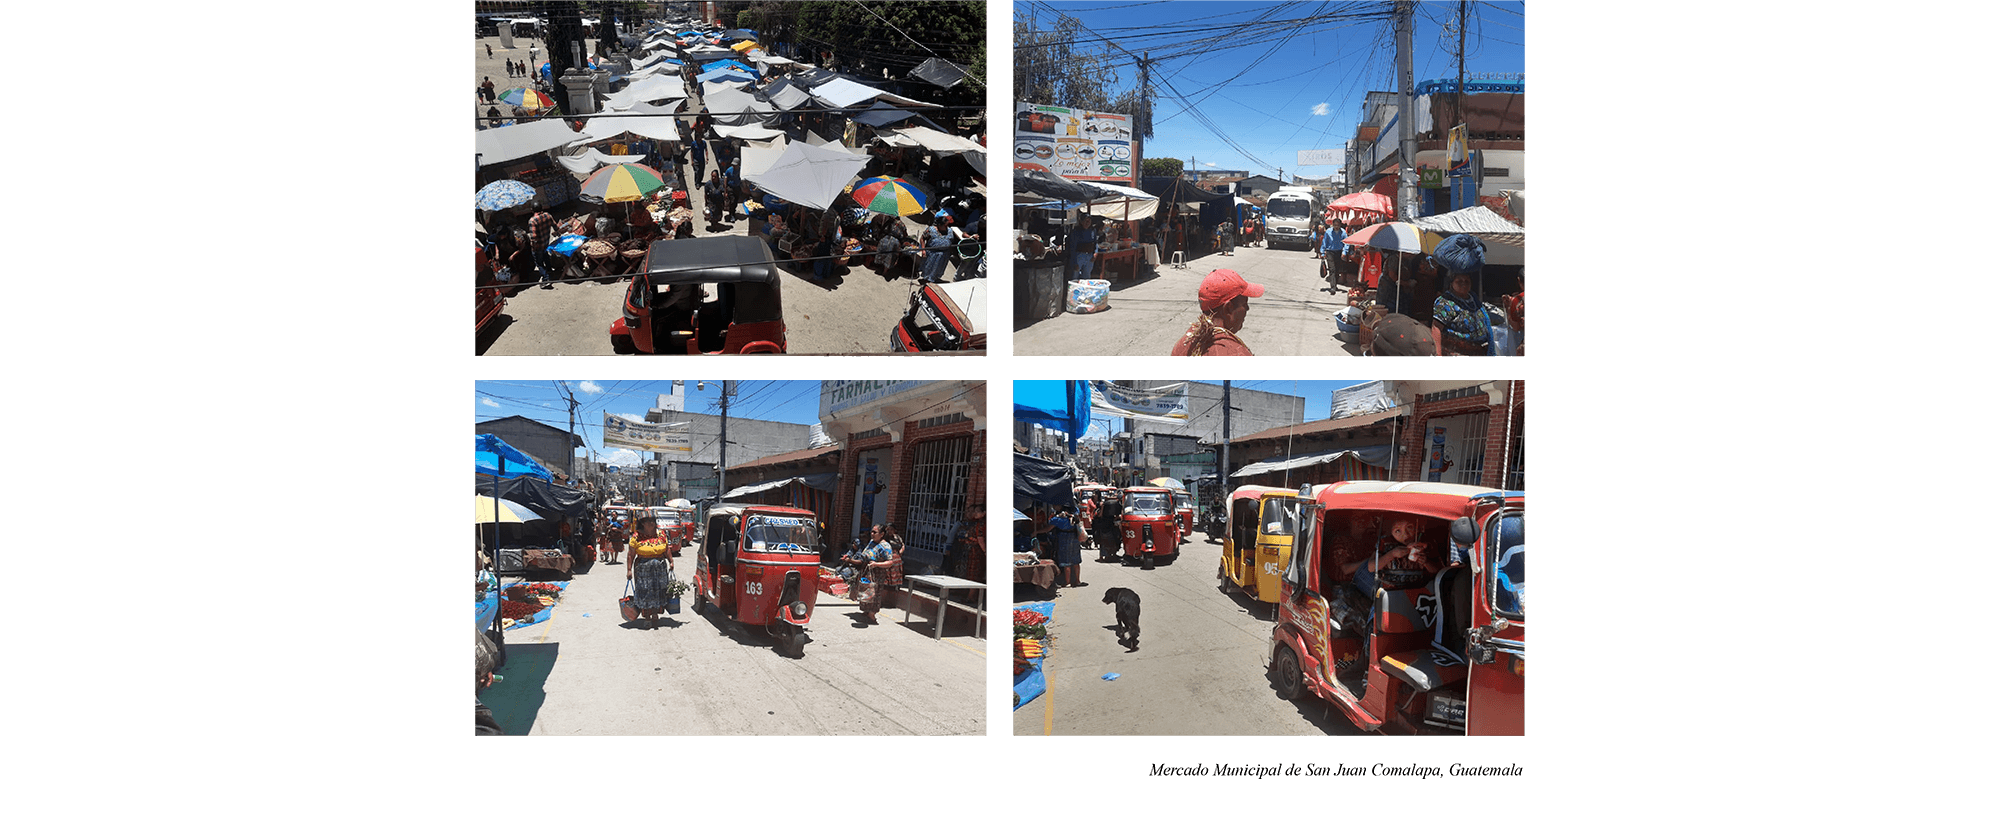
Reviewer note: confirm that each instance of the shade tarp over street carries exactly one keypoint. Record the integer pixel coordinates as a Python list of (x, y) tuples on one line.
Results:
[(1479, 221), (881, 114), (505, 144), (654, 88), (758, 156), (493, 457), (658, 127), (545, 498), (842, 94), (582, 164), (748, 132), (1043, 186), (808, 175), (735, 107), (1377, 456), (1120, 202), (1060, 405), (1042, 480), (816, 481), (786, 95)]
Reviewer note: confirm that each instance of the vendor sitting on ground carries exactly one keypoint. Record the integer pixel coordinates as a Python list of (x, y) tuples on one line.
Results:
[(1457, 313)]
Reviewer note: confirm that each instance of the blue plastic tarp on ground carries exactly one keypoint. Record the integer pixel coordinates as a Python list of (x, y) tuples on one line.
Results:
[(1030, 685), (1061, 405), (541, 616), (489, 453)]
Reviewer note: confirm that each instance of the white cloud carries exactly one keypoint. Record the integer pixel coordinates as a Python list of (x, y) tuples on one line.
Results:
[(590, 387), (488, 402), (622, 457), (1320, 108), (1208, 164)]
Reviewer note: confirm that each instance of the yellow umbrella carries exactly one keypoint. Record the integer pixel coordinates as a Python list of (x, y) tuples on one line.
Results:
[(484, 507), (747, 45)]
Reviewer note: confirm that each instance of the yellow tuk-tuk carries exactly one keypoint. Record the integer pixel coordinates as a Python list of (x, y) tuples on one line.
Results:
[(1259, 545)]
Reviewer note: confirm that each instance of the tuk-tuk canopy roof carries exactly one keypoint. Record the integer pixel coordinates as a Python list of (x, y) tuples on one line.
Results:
[(739, 509), (1259, 492), (1147, 489), (1442, 500)]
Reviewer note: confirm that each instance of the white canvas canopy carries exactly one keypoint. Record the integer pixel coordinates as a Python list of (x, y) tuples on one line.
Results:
[(733, 106), (841, 93), (808, 175), (747, 132), (1479, 221), (505, 144), (658, 87), (584, 163), (657, 127), (786, 95), (1120, 202), (758, 156)]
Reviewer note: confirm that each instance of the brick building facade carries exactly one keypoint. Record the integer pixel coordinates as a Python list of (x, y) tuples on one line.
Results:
[(916, 459), (1481, 428)]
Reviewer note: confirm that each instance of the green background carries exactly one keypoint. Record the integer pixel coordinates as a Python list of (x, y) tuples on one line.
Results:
[(271, 298)]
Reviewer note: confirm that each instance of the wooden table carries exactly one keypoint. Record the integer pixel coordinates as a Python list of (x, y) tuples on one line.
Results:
[(1127, 259), (944, 585)]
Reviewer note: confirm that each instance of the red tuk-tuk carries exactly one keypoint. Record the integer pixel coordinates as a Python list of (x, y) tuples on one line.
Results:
[(1441, 646), (943, 317), (1184, 512), (666, 312), (675, 524), (759, 564), (1148, 524)]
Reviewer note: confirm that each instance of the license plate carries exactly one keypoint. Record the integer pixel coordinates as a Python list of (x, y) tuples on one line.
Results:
[(1447, 709)]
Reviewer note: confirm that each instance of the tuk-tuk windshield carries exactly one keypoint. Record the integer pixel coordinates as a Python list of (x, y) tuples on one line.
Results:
[(1281, 517), (794, 534), (1510, 567), (1146, 503)]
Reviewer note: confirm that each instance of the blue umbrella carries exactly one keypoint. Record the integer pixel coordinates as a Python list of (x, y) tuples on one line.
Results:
[(567, 244), (504, 194)]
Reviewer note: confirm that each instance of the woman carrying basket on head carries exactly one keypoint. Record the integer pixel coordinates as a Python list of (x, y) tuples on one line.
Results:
[(651, 568)]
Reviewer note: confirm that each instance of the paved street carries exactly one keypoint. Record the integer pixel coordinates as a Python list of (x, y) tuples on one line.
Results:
[(853, 313), (1199, 670), (1146, 317), (703, 675)]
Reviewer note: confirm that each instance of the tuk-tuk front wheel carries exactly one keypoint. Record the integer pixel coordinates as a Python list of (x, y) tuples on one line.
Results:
[(792, 641), (1286, 675), (700, 603)]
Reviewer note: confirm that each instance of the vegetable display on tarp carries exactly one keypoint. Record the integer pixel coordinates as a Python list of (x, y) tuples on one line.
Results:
[(1031, 645), (526, 604)]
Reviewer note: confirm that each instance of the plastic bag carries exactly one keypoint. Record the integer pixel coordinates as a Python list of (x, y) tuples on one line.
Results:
[(1086, 296)]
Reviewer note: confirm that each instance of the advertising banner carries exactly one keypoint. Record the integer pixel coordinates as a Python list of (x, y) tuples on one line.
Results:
[(1335, 156), (1168, 403), (620, 431), (1074, 144), (1458, 158)]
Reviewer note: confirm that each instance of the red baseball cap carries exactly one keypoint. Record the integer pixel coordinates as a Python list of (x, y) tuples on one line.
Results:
[(1223, 285)]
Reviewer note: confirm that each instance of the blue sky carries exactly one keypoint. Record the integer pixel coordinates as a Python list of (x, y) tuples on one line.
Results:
[(1305, 95), (791, 401)]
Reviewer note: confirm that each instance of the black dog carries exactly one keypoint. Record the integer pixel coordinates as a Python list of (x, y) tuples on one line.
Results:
[(1126, 602)]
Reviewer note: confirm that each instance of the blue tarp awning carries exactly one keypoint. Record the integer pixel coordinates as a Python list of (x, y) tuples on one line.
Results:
[(493, 457), (1060, 405)]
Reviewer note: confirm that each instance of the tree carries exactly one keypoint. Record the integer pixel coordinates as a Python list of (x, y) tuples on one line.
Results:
[(1049, 68), (1160, 167)]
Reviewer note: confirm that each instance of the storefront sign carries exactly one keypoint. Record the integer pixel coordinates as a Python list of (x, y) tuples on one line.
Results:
[(1168, 403), (838, 397), (1074, 144), (647, 436)]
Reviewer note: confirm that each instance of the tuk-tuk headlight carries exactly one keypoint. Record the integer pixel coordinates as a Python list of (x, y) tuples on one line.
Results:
[(799, 609)]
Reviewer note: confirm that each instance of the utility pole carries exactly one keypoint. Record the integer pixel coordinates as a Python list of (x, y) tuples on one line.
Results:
[(569, 460), (1458, 109), (1222, 476), (722, 466), (1406, 119), (1138, 135)]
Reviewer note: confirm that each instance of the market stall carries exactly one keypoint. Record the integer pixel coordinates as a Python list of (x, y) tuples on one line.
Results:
[(1031, 644)]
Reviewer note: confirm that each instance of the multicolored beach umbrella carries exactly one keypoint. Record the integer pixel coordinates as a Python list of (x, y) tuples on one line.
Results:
[(621, 183), (529, 99), (894, 197)]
